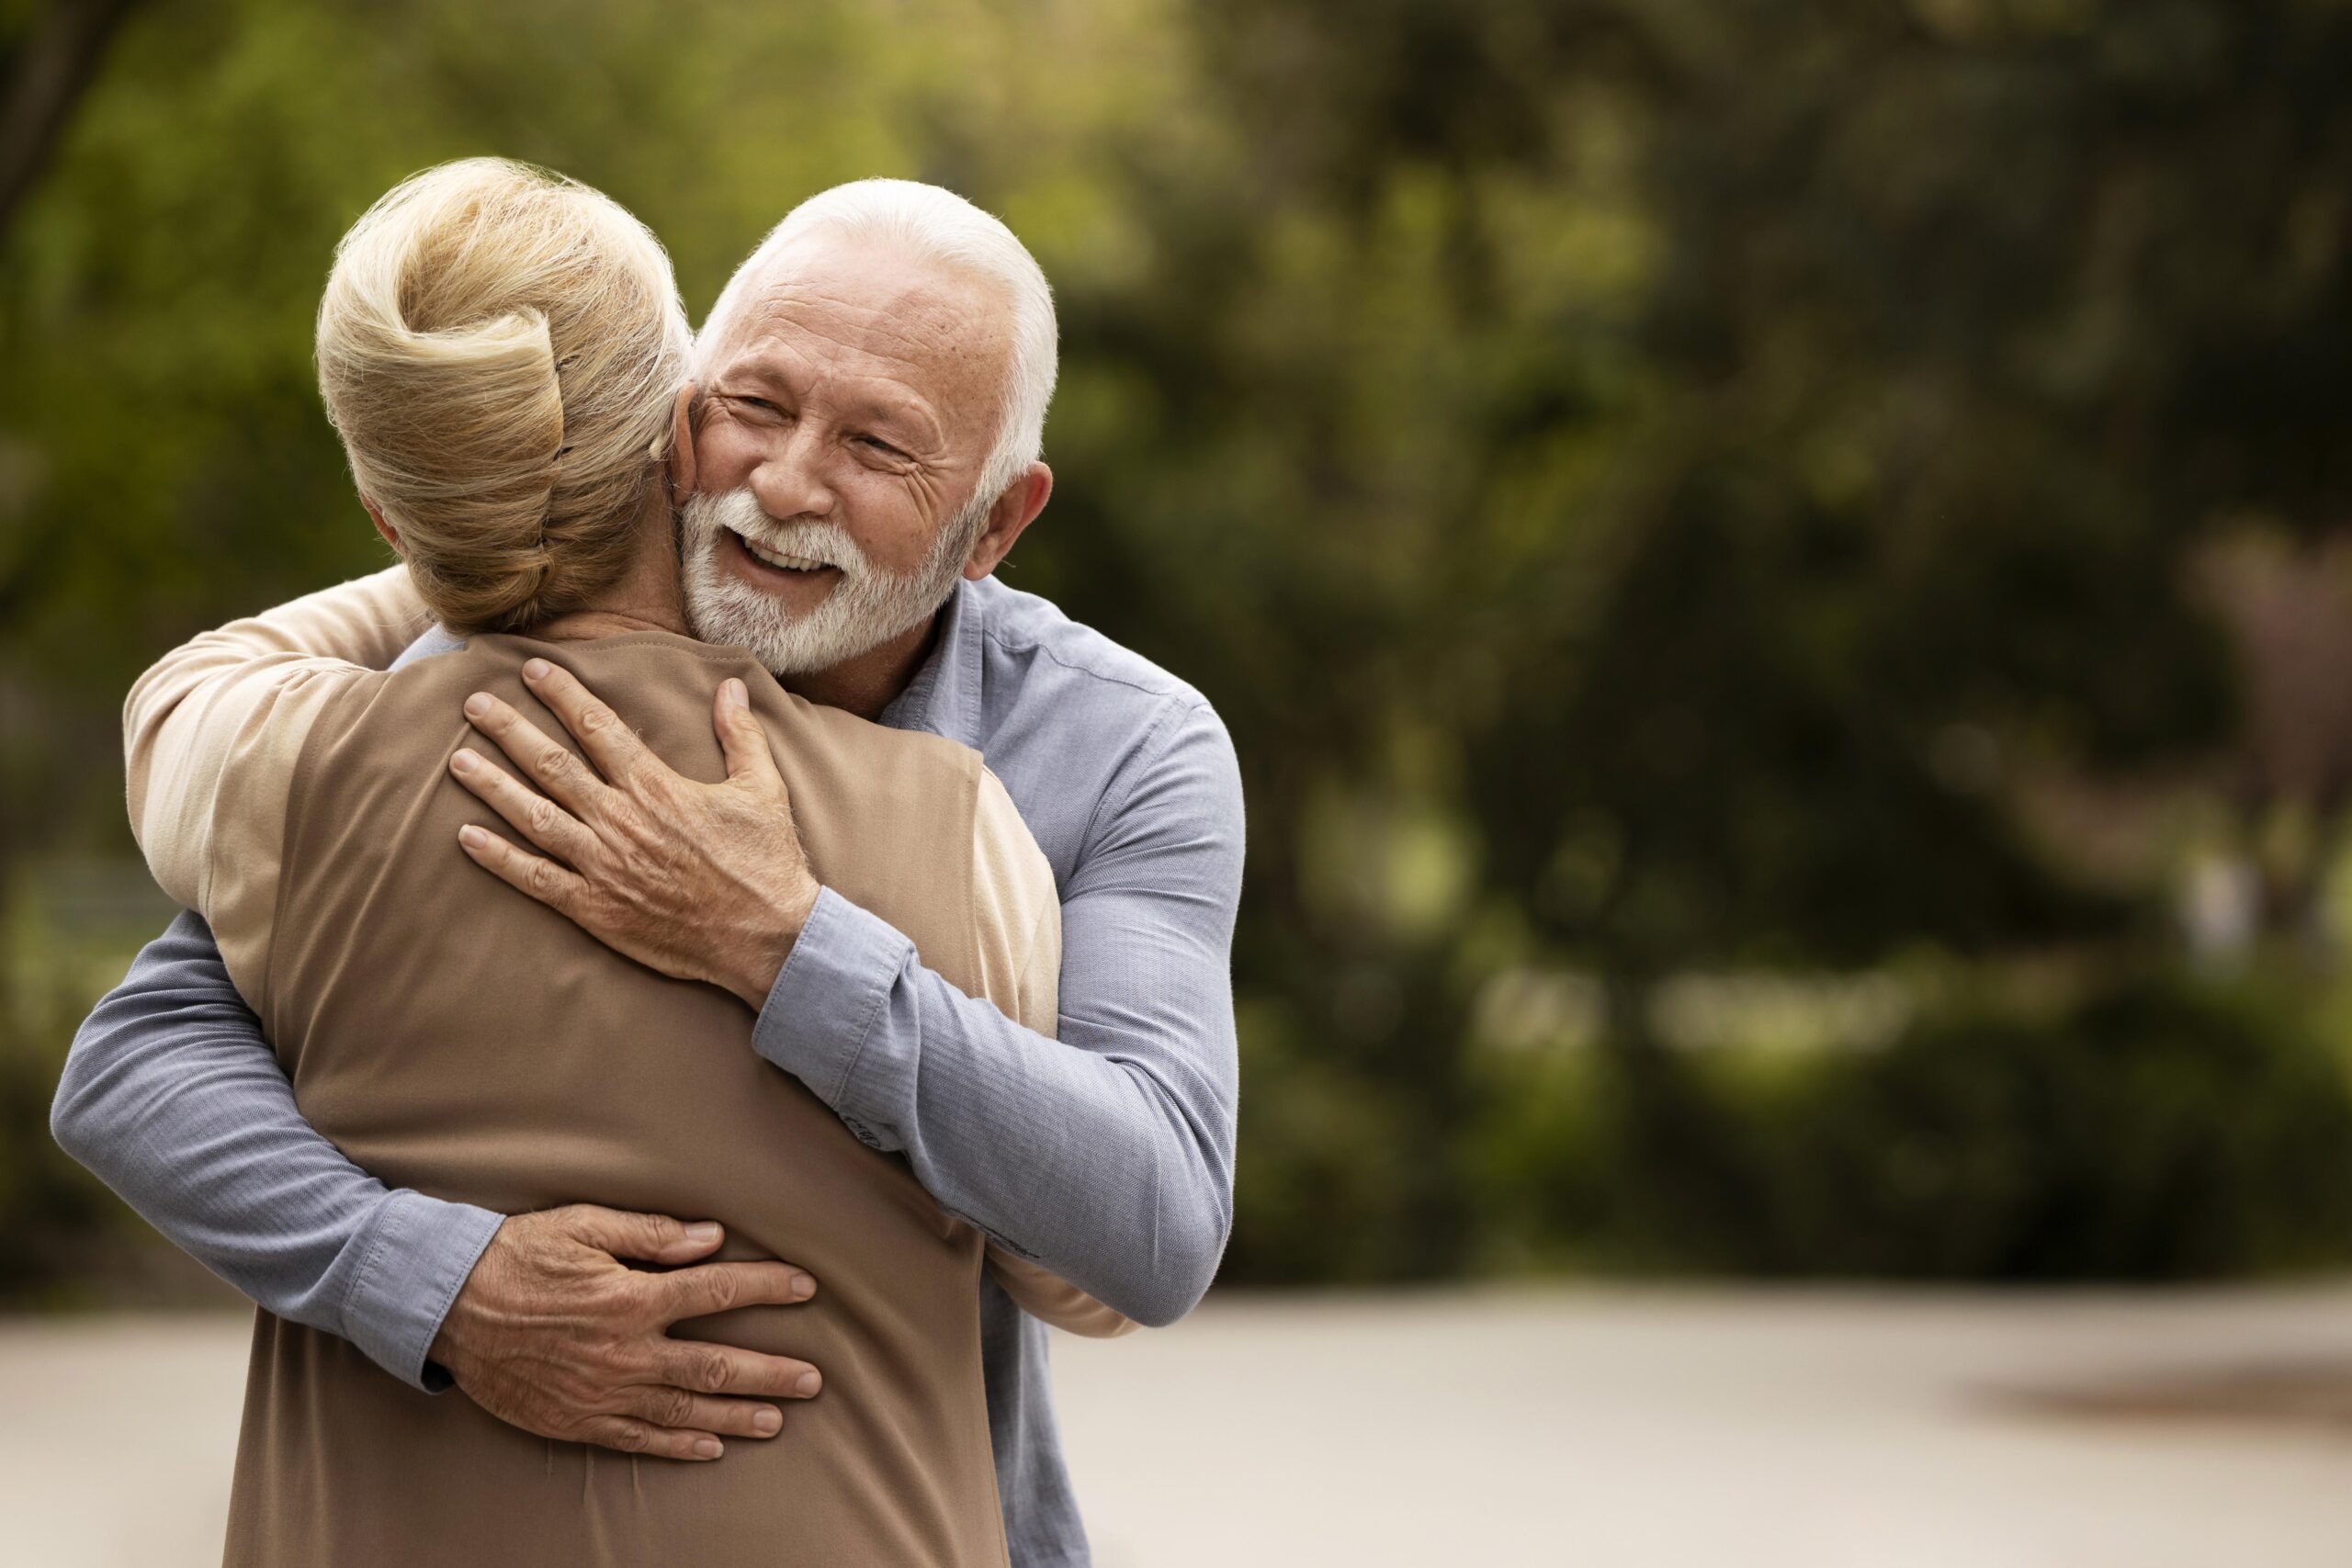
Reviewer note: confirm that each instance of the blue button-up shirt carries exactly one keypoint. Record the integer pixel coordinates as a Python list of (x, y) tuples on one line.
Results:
[(1106, 1154)]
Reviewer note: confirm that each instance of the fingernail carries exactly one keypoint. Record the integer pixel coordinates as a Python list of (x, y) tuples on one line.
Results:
[(702, 1231), (472, 837), (535, 670), (478, 705), (803, 1286), (463, 762), (809, 1384), (768, 1423), (736, 693), (707, 1448)]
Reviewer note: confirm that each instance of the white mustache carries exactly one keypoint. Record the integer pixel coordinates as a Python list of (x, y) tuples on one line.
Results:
[(811, 538)]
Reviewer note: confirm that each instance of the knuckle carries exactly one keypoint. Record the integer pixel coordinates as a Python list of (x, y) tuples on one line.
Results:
[(574, 1405), (630, 1295), (628, 820), (543, 881), (632, 1437), (595, 718), (712, 1372), (677, 1407), (632, 868)]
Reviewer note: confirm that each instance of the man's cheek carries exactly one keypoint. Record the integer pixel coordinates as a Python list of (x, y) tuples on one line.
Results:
[(726, 453), (907, 525)]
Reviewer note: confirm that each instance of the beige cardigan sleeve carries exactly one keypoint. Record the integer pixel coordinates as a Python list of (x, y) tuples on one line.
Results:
[(210, 736), (1018, 911)]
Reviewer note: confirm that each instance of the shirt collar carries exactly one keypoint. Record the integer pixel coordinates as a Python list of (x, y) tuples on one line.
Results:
[(944, 698)]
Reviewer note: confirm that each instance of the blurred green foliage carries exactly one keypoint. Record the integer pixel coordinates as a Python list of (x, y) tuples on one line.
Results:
[(1655, 488), (64, 1237), (56, 1221), (2149, 1128)]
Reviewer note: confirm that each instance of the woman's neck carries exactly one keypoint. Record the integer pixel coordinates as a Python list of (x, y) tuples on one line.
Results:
[(648, 596)]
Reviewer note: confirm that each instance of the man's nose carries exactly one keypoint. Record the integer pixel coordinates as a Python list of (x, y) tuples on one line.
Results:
[(791, 482)]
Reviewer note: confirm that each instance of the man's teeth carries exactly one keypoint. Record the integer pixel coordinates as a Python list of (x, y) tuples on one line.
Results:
[(779, 559)]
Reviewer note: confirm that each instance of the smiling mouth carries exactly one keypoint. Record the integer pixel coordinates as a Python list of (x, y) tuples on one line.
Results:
[(781, 562)]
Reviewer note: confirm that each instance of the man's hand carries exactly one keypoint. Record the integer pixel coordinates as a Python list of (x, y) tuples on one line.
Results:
[(553, 1335), (702, 882)]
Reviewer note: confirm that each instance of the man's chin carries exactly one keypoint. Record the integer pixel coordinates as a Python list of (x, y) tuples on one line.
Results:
[(729, 613)]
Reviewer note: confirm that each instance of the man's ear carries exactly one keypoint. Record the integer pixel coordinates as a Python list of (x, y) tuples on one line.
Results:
[(681, 461), (1013, 512), (391, 535)]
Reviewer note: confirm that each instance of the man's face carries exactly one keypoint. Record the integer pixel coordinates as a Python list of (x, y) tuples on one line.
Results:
[(848, 413)]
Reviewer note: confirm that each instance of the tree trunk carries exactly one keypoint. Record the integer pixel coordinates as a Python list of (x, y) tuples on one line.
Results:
[(47, 70)]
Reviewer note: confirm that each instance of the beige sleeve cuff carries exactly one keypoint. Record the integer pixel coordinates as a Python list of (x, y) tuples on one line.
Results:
[(1051, 1299)]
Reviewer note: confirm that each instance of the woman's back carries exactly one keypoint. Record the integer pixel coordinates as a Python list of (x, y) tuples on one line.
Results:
[(453, 1037)]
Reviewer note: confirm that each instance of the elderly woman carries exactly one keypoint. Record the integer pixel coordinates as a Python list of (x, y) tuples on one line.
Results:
[(503, 356)]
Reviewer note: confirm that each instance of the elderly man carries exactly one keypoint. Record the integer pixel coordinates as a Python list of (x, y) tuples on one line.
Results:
[(874, 383)]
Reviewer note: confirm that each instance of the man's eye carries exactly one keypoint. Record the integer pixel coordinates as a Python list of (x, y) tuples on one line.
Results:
[(876, 444), (759, 403)]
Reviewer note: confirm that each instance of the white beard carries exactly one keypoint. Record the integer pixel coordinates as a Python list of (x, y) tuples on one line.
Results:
[(866, 608)]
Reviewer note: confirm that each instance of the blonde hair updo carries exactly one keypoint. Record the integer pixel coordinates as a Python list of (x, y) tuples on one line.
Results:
[(499, 348)]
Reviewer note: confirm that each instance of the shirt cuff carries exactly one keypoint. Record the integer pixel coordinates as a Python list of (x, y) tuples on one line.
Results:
[(826, 998), (418, 1259)]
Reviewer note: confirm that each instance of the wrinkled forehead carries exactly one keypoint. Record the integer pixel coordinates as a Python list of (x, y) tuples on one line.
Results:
[(840, 306)]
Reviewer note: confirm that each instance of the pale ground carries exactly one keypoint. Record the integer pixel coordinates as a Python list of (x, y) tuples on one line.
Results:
[(1611, 1427)]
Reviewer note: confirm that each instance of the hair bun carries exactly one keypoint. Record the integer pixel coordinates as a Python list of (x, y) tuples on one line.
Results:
[(498, 349)]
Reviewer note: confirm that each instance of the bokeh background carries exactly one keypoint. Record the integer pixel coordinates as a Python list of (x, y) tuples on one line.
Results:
[(1778, 570)]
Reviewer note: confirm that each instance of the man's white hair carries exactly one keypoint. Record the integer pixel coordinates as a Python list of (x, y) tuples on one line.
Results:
[(927, 222)]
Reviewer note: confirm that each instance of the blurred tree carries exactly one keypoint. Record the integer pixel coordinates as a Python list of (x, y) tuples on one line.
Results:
[(1868, 496), (1650, 485), (46, 62)]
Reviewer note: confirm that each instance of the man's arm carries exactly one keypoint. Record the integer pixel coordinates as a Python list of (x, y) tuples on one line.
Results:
[(173, 1098), (1107, 1154), (1109, 1162)]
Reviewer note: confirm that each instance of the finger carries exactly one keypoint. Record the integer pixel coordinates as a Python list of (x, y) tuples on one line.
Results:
[(740, 734), (696, 1366), (610, 744), (550, 884), (721, 1286), (635, 1437), (681, 1410), (546, 763), (653, 1238), (527, 811)]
